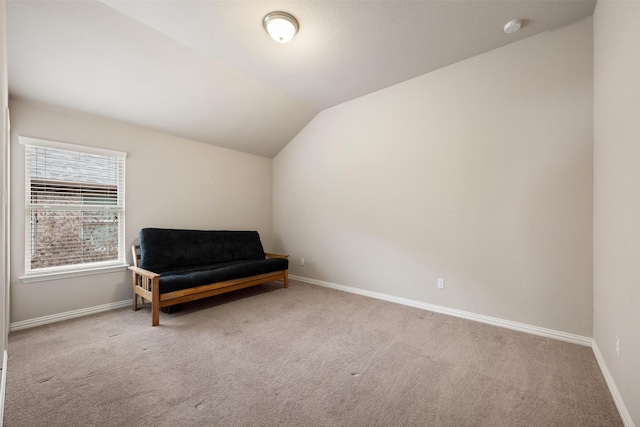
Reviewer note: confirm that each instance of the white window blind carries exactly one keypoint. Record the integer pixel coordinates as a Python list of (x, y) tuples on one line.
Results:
[(74, 207)]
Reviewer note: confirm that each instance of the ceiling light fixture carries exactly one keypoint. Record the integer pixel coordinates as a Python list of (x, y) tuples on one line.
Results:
[(512, 26), (281, 26)]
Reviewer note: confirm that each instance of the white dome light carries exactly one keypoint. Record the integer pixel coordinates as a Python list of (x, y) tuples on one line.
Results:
[(281, 26)]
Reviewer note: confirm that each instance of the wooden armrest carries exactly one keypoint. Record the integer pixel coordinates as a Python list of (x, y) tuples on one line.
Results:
[(143, 272), (271, 255)]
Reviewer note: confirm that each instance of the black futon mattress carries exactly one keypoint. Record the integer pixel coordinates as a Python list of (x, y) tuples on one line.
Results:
[(189, 258)]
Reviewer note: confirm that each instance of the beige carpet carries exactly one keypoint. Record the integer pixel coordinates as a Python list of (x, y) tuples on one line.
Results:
[(303, 356)]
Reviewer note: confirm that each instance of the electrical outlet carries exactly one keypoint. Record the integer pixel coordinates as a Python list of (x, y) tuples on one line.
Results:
[(301, 261), (618, 346), (440, 283)]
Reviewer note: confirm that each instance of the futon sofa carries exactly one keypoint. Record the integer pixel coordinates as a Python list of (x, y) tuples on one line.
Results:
[(176, 266)]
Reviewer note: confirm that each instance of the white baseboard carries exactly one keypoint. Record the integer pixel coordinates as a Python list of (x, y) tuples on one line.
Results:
[(3, 387), (522, 327), (613, 389), (38, 321)]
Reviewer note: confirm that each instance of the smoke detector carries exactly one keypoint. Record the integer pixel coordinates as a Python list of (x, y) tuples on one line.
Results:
[(512, 26)]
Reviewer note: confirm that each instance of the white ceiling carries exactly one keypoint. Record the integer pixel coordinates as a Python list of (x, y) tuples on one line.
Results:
[(207, 70)]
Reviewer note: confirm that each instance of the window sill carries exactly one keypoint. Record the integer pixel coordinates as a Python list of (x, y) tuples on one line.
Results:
[(40, 277)]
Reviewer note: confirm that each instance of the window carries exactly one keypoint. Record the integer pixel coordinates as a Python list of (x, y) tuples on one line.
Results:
[(74, 208)]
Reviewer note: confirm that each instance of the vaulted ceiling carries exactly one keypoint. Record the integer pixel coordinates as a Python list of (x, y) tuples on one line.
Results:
[(208, 71)]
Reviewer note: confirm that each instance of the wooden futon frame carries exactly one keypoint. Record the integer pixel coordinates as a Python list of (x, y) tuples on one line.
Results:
[(146, 286)]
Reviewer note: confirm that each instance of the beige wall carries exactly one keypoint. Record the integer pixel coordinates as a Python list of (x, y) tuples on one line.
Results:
[(479, 173), (170, 182), (616, 218)]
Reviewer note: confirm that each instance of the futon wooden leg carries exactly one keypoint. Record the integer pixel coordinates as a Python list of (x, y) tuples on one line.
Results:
[(155, 315), (155, 302), (286, 279), (134, 280)]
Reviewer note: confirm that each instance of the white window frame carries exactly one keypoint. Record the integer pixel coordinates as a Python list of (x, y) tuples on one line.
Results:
[(59, 272)]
